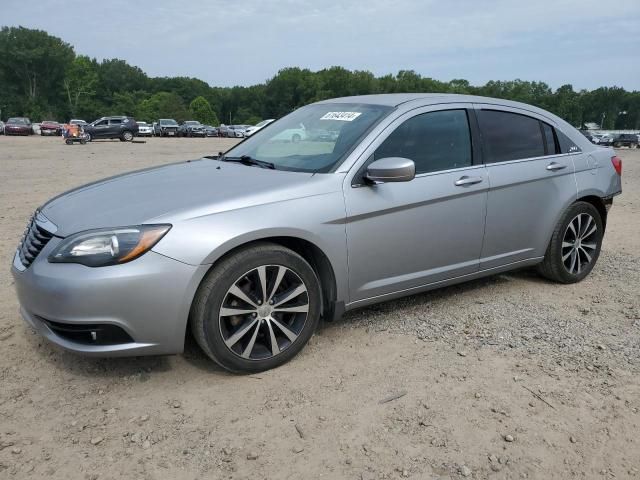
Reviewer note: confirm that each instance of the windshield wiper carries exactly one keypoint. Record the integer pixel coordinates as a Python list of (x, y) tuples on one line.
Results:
[(247, 160)]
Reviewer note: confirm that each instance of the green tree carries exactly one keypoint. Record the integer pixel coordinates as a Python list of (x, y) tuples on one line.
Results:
[(34, 63), (161, 105), (80, 82), (201, 111)]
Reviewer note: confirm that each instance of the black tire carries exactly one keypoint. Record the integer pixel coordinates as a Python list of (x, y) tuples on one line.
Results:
[(207, 326), (553, 266), (126, 136), (88, 137)]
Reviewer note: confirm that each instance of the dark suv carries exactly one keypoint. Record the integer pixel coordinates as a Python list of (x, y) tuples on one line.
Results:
[(122, 128), (626, 140), (191, 128)]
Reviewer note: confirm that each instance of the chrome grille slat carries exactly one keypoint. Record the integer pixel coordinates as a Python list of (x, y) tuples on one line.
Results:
[(33, 241)]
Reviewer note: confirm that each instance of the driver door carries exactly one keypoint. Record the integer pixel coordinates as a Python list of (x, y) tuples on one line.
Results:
[(406, 235), (101, 129)]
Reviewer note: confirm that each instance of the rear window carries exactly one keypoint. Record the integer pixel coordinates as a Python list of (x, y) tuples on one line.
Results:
[(510, 136)]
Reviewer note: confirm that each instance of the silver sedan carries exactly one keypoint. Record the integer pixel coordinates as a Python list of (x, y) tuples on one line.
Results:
[(252, 248)]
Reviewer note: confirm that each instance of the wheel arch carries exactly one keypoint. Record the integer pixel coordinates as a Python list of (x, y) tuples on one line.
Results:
[(599, 204), (308, 250)]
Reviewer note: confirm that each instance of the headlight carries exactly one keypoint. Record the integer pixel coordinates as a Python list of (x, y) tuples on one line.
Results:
[(99, 248)]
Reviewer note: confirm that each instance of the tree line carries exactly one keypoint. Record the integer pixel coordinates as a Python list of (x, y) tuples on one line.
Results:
[(42, 77)]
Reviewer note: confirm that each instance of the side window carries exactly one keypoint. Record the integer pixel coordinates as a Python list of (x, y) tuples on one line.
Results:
[(509, 136), (550, 146), (115, 121), (102, 123), (566, 144), (434, 141)]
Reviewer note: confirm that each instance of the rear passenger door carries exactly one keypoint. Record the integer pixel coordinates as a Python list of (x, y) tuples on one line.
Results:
[(114, 127), (531, 183)]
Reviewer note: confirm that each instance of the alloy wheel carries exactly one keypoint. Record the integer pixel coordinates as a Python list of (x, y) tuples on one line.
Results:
[(263, 312), (580, 243)]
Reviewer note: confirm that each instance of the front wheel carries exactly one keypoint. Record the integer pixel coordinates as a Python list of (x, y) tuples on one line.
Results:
[(575, 244), (257, 308), (87, 137)]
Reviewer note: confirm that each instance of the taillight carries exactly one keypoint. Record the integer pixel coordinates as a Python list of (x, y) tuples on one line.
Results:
[(617, 164)]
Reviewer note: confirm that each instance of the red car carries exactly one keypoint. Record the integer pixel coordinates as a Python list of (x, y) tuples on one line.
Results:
[(18, 126), (49, 127)]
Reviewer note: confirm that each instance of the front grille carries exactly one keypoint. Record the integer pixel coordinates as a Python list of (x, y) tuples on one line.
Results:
[(33, 241)]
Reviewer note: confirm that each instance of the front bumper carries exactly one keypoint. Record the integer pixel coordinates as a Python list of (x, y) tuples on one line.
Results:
[(149, 299)]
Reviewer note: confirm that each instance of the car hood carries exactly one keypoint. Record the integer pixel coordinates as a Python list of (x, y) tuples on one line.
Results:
[(172, 193)]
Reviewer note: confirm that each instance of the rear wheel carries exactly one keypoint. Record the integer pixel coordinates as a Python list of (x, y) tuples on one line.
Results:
[(127, 136), (575, 244), (257, 308)]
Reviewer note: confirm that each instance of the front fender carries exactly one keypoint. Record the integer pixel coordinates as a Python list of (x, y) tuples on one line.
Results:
[(316, 219)]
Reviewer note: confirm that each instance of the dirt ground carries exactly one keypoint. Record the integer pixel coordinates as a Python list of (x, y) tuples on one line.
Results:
[(507, 377)]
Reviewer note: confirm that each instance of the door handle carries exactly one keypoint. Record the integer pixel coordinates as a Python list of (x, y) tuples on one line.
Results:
[(462, 181), (553, 166)]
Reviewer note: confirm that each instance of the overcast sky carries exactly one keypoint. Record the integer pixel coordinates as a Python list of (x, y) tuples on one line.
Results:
[(588, 43)]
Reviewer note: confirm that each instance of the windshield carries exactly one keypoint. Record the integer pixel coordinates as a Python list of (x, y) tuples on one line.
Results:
[(291, 143), (17, 121), (168, 122), (191, 122)]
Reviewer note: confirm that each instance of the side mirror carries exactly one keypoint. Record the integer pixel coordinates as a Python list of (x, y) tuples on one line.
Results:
[(391, 169)]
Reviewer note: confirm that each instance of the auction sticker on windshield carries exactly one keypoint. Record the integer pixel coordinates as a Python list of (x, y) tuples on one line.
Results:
[(343, 116)]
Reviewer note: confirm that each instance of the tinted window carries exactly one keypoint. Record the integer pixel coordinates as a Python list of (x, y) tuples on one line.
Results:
[(566, 144), (434, 141), (549, 139), (509, 136), (115, 121)]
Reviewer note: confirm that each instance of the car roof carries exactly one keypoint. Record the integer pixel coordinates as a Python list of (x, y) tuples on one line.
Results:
[(396, 99)]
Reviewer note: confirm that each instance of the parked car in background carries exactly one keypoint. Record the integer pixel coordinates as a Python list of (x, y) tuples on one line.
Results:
[(77, 121), (166, 127), (249, 249), (120, 127), (625, 140), (236, 131), (252, 129), (210, 131), (191, 128), (49, 127), (1, 127), (605, 139), (293, 135), (144, 129), (224, 130), (18, 126), (35, 128), (323, 135)]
